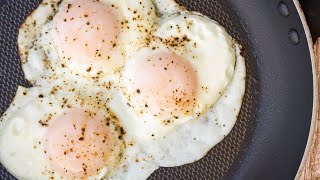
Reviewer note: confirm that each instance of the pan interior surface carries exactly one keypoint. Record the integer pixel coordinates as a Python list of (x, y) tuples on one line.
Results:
[(269, 137)]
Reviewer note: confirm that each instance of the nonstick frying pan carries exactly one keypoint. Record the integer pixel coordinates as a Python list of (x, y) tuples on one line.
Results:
[(270, 136)]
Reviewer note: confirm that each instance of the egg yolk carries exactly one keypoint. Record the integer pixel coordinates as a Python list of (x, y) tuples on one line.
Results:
[(85, 32), (162, 85), (78, 144)]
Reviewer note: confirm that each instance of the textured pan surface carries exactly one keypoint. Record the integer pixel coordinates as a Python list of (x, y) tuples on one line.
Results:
[(255, 148)]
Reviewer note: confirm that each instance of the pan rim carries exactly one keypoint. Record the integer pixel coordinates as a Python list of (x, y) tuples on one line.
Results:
[(315, 90)]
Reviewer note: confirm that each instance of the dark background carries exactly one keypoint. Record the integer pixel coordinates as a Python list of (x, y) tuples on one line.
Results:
[(311, 9)]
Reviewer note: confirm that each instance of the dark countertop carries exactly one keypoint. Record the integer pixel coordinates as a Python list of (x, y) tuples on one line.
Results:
[(311, 9)]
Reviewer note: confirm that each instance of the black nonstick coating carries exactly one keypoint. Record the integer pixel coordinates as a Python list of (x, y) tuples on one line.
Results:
[(269, 138)]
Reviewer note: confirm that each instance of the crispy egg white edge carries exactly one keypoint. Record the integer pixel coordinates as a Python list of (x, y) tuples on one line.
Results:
[(26, 45), (135, 164), (192, 140)]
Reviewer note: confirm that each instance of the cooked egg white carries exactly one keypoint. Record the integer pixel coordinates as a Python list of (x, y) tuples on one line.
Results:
[(64, 136)]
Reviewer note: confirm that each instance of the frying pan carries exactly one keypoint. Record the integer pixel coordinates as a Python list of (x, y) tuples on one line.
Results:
[(270, 136)]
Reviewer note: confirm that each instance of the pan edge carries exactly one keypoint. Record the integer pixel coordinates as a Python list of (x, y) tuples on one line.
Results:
[(315, 91)]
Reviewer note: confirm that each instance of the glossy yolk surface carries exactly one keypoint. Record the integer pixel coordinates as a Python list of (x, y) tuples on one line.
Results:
[(162, 85), (78, 144)]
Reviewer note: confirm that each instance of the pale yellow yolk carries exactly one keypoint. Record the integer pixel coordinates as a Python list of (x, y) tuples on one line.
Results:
[(163, 85), (78, 144), (86, 32)]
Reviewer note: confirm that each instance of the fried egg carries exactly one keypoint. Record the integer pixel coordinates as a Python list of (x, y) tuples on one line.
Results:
[(179, 75), (64, 136), (82, 38), (191, 141)]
